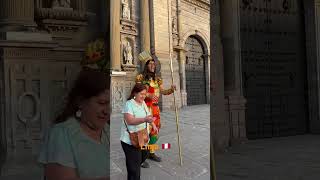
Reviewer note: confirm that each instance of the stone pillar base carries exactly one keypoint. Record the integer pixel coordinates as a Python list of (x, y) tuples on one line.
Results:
[(183, 98), (25, 36), (235, 113)]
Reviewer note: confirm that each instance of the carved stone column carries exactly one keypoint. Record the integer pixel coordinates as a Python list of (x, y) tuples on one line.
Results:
[(115, 34), (145, 25), (182, 74), (218, 122), (312, 21), (235, 101), (16, 14), (179, 21)]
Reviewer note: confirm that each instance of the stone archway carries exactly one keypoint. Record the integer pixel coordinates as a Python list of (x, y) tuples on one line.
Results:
[(195, 67)]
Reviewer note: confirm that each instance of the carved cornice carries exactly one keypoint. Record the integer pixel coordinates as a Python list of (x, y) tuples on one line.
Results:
[(129, 67), (60, 20), (205, 4), (129, 27), (17, 53), (60, 14)]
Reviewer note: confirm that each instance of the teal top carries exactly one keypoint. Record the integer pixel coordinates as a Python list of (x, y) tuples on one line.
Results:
[(138, 111), (66, 144)]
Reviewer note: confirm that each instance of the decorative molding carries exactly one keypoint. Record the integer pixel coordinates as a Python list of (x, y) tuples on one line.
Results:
[(205, 4), (61, 14), (53, 25), (20, 109), (14, 53), (129, 67), (60, 20), (4, 43)]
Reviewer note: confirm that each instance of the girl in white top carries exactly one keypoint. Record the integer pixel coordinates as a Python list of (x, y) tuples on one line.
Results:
[(136, 114)]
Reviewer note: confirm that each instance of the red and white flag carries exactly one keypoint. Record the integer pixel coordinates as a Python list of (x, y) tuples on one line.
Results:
[(166, 146)]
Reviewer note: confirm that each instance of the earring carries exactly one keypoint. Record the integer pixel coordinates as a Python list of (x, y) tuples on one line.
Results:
[(134, 97), (78, 113)]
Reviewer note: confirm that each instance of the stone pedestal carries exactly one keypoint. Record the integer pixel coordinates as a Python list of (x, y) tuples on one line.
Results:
[(118, 96), (235, 114), (183, 98)]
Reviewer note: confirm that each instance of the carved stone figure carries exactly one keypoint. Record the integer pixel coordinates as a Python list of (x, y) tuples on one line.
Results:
[(61, 3), (65, 3), (127, 53), (174, 24), (125, 10), (55, 3)]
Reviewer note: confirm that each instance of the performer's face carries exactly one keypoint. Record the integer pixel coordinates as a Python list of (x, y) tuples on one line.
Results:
[(140, 96), (151, 66)]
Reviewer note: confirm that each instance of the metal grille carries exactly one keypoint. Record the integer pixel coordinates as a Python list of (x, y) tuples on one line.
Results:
[(274, 69), (195, 72)]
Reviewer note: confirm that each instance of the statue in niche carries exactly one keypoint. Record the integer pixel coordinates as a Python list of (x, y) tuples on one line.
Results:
[(65, 3), (174, 24), (61, 3), (55, 3), (125, 10), (127, 53)]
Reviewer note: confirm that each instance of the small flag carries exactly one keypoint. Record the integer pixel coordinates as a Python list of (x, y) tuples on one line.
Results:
[(166, 146)]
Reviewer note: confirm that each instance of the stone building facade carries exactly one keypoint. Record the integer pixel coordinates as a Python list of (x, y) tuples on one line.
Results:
[(264, 69), (173, 29)]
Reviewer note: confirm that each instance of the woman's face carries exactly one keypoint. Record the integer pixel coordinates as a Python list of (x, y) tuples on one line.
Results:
[(140, 96), (97, 110), (151, 66)]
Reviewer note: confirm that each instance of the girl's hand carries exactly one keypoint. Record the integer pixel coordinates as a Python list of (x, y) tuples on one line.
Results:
[(154, 127), (149, 119)]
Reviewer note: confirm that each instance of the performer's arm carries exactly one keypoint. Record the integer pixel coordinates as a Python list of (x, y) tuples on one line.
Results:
[(167, 91)]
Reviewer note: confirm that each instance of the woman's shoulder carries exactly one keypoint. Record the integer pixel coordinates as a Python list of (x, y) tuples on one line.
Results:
[(71, 125)]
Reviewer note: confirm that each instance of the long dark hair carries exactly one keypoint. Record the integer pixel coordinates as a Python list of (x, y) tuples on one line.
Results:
[(146, 73), (89, 83), (136, 89)]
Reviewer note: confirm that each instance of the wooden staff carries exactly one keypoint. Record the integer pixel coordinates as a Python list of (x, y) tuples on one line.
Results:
[(172, 82), (176, 111)]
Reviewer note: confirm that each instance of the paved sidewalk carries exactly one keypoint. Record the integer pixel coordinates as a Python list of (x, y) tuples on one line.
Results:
[(285, 158), (194, 136)]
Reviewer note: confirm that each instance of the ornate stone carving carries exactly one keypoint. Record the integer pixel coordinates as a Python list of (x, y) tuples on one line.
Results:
[(60, 4), (60, 14), (129, 67), (205, 4), (174, 24), (126, 10), (117, 95), (175, 35), (129, 27), (60, 20), (23, 117)]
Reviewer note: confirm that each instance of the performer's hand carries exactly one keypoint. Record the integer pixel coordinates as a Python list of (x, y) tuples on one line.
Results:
[(174, 87), (154, 127), (149, 119)]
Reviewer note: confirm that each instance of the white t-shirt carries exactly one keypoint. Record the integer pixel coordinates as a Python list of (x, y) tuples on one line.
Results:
[(138, 111)]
